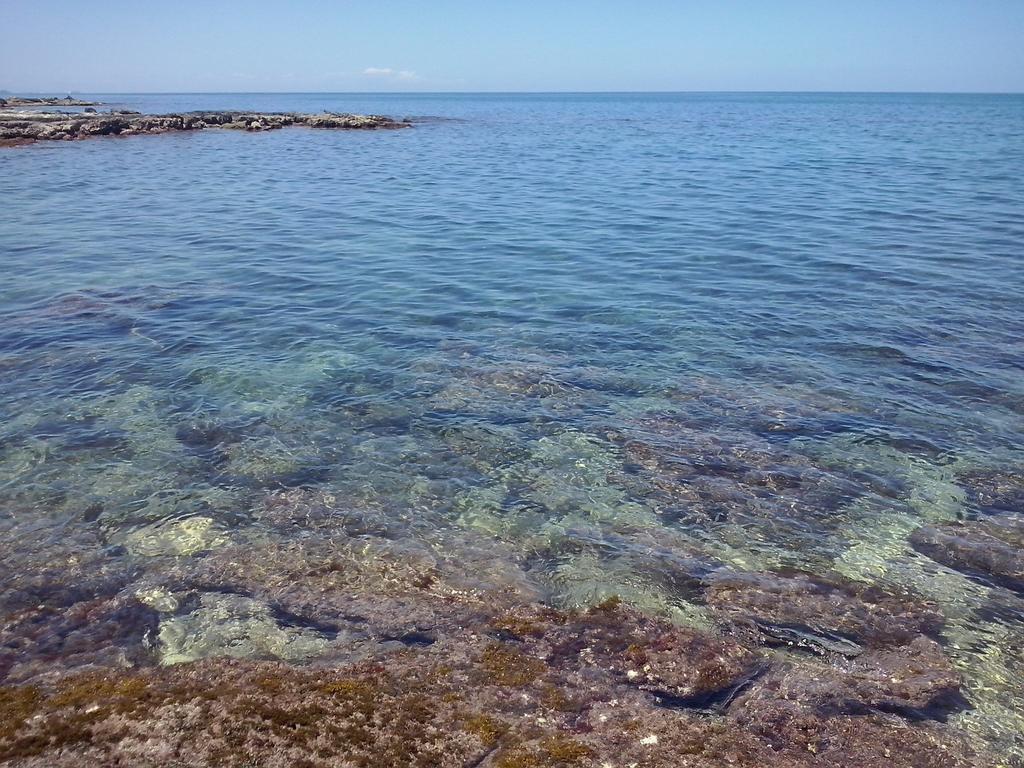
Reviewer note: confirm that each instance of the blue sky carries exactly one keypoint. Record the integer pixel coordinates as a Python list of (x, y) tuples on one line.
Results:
[(529, 45)]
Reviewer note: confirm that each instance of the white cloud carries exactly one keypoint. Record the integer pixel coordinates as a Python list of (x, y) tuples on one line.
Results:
[(406, 75)]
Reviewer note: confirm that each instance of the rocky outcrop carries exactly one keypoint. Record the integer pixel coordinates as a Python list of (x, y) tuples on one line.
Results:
[(53, 101), (25, 126)]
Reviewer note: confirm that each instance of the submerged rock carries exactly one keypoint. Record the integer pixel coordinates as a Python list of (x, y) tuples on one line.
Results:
[(708, 478), (264, 460), (991, 549), (177, 538), (236, 626), (433, 649), (100, 633), (302, 510), (994, 491), (821, 613), (916, 682), (379, 592), (62, 604), (682, 668)]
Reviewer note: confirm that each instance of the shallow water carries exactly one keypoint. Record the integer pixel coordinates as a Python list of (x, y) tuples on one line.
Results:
[(770, 332)]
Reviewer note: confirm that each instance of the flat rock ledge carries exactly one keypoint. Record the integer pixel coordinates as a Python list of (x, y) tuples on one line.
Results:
[(46, 101), (21, 127)]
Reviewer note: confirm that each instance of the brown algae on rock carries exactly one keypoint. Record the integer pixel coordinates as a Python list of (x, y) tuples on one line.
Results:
[(416, 708)]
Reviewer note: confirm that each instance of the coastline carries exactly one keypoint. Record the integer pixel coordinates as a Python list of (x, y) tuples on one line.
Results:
[(18, 128)]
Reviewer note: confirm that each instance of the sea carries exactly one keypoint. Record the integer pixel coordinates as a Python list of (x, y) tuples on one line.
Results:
[(780, 332)]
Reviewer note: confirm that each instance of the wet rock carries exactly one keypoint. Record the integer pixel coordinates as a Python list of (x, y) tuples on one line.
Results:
[(917, 682), (61, 605), (990, 549), (825, 614), (777, 735), (332, 120), (383, 589), (232, 714)]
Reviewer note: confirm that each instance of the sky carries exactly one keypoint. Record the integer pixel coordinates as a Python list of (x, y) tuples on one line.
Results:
[(122, 46)]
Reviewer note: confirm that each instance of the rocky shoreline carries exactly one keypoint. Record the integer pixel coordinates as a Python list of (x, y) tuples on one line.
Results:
[(25, 127)]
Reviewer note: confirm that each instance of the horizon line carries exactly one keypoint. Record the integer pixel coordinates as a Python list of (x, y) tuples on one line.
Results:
[(516, 93)]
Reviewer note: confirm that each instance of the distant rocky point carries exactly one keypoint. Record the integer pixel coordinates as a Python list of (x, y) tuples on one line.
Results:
[(67, 101), (25, 127)]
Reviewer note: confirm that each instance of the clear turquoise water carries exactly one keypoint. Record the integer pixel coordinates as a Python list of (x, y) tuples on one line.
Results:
[(806, 308)]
